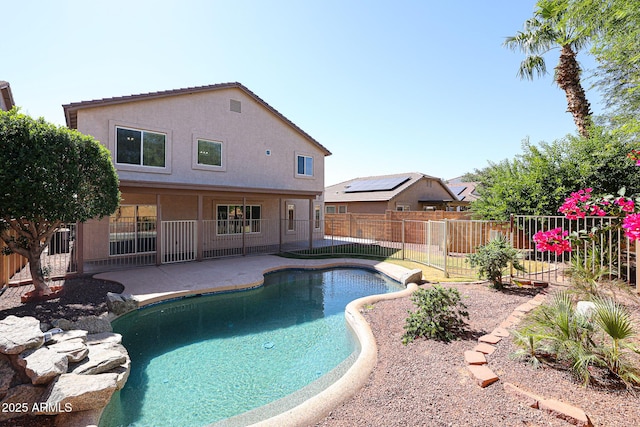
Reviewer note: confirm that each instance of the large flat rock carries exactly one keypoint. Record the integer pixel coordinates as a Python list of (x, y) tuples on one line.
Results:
[(18, 334), (79, 392), (42, 365)]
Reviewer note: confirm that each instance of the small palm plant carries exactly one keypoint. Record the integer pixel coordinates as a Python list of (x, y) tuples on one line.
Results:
[(615, 321), (599, 338)]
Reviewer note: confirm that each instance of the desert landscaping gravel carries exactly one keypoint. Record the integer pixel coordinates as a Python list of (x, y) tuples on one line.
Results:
[(426, 383)]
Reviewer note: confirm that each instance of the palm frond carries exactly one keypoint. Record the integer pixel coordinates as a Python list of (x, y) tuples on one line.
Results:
[(614, 319)]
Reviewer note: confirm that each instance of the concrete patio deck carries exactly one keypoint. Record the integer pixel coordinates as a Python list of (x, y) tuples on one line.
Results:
[(152, 284)]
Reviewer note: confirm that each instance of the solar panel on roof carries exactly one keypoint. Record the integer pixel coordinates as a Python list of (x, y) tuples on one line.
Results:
[(376, 184), (457, 189)]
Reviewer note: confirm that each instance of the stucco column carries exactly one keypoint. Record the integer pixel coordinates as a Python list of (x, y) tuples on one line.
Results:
[(200, 229), (310, 224), (158, 230)]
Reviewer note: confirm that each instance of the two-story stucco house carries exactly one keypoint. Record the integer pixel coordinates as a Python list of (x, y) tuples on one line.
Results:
[(204, 172)]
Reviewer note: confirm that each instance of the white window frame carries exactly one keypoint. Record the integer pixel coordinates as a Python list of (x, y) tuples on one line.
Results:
[(246, 225), (305, 173), (291, 217), (113, 147), (342, 209), (403, 207), (200, 136), (317, 217), (333, 208)]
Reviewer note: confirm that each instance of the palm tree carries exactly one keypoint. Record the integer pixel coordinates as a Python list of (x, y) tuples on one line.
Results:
[(545, 31)]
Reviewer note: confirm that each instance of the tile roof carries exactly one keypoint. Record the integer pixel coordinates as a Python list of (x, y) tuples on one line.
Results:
[(6, 95), (71, 110)]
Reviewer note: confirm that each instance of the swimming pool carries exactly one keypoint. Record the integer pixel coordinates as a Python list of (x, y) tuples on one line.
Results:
[(200, 360)]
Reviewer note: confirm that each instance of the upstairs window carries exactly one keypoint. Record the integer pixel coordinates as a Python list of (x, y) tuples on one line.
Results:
[(209, 153), (305, 165), (138, 147)]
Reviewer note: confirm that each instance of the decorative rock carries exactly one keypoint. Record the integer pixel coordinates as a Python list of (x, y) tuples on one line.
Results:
[(123, 373), (121, 303), (474, 358), (565, 412), (80, 392), (18, 334), (91, 324), (89, 418), (69, 335), (20, 395), (74, 349), (104, 338), (585, 308), (42, 365), (99, 360), (7, 375), (483, 375)]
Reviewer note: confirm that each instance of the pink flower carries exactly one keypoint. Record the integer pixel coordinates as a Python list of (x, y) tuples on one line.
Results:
[(553, 240), (631, 225), (626, 205), (635, 156), (579, 205)]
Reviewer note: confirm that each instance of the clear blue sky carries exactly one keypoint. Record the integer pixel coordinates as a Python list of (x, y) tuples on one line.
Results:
[(387, 86)]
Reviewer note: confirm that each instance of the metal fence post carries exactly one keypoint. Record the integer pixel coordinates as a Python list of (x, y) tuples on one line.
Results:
[(446, 247), (403, 239)]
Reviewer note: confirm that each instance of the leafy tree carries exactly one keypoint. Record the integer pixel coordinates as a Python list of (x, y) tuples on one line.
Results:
[(548, 30), (49, 175), (537, 181)]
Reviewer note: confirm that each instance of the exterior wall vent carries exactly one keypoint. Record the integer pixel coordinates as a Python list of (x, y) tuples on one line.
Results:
[(235, 106)]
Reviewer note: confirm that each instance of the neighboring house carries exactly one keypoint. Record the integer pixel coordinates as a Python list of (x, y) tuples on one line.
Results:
[(464, 191), (378, 194), (6, 98), (204, 172)]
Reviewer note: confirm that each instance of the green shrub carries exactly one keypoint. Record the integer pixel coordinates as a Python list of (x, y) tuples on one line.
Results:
[(439, 315), (493, 258)]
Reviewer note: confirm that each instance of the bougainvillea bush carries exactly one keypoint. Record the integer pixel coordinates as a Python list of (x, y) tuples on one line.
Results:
[(583, 203)]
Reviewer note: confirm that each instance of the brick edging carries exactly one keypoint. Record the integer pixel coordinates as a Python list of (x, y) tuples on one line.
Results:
[(483, 376)]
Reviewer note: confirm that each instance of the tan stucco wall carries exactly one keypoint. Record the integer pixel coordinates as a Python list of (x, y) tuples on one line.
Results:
[(425, 189), (185, 207), (246, 137), (363, 207)]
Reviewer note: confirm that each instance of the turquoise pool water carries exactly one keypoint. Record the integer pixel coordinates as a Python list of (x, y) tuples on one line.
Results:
[(203, 359)]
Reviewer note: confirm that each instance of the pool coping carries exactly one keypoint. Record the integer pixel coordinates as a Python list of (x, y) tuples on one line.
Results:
[(154, 284)]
